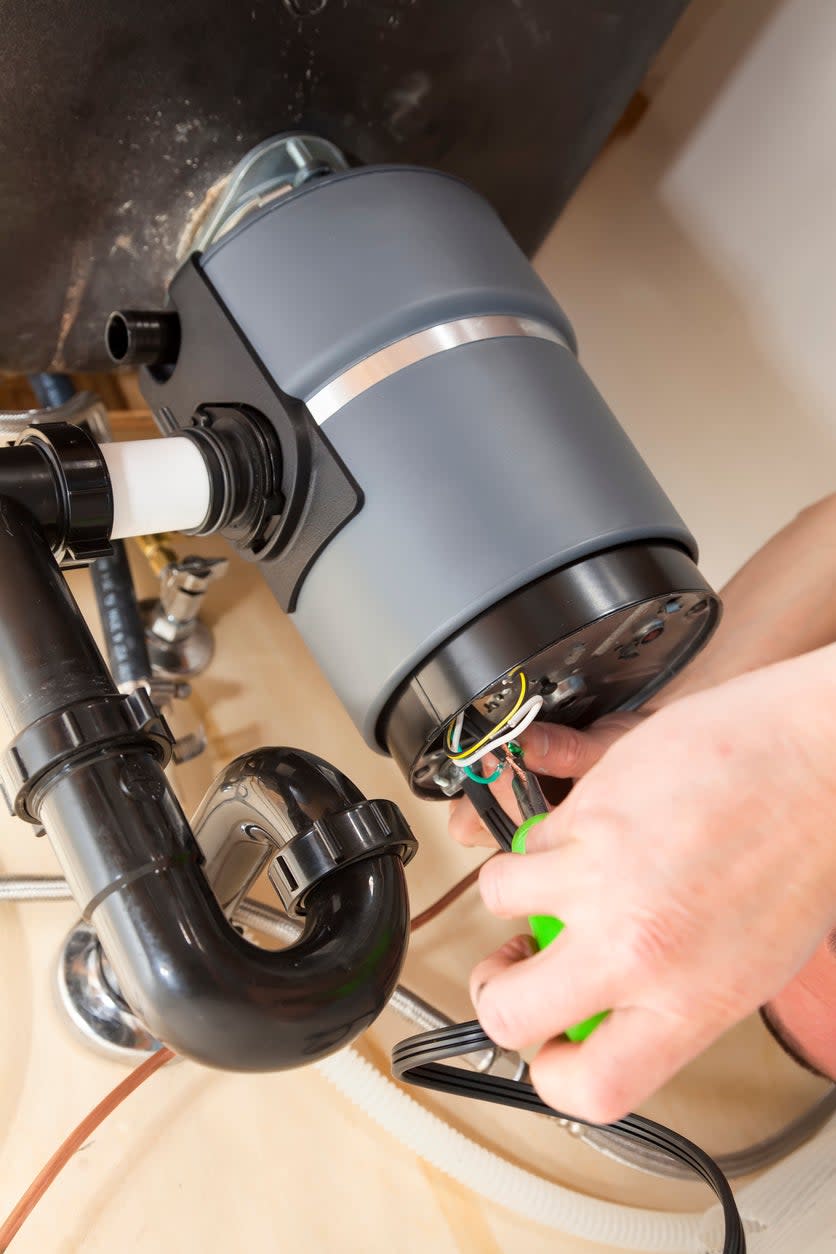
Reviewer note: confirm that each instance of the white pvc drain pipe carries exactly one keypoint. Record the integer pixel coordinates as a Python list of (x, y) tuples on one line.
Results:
[(158, 485)]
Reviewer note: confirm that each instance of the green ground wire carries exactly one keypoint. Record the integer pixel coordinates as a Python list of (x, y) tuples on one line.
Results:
[(484, 779)]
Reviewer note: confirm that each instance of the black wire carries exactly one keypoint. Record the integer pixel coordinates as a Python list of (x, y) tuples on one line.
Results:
[(418, 1060)]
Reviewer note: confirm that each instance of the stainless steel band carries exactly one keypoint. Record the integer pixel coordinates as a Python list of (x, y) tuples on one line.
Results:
[(414, 348)]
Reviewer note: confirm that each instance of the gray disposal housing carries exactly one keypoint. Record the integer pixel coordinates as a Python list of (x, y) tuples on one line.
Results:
[(483, 467)]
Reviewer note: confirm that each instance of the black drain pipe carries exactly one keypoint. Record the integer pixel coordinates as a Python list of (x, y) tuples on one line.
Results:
[(87, 764)]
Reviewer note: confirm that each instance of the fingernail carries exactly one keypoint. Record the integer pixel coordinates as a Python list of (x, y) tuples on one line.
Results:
[(536, 841), (536, 741), (520, 948), (477, 993)]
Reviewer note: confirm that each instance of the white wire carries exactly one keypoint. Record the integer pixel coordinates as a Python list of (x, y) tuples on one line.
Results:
[(515, 726), (456, 738)]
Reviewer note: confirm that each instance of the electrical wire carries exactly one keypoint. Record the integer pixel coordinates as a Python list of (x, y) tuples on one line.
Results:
[(457, 754), (484, 779), (645, 1145), (514, 726), (452, 895), (80, 1134), (419, 1061), (454, 738)]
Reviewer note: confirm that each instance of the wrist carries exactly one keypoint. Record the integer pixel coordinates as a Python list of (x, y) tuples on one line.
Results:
[(806, 689)]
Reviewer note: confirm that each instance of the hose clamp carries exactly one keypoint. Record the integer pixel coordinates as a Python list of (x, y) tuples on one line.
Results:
[(335, 841), (69, 737)]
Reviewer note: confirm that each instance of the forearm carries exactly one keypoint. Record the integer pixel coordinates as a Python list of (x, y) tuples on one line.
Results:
[(802, 1016), (780, 604)]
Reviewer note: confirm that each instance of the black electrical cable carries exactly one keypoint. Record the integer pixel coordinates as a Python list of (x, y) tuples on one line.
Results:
[(418, 1060)]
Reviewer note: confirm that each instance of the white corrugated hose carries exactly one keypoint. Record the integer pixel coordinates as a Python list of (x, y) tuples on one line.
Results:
[(790, 1208)]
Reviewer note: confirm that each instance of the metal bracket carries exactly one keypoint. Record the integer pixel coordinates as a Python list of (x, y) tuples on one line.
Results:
[(274, 168)]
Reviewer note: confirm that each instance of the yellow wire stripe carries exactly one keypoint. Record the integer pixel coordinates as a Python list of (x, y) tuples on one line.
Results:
[(465, 753)]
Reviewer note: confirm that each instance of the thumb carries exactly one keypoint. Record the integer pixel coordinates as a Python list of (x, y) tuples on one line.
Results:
[(565, 752)]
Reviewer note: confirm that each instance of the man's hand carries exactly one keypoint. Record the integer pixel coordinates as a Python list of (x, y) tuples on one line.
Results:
[(695, 867), (562, 752)]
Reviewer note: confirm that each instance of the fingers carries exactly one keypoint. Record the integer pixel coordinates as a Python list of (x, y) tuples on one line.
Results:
[(466, 827), (513, 951), (563, 752), (567, 753), (523, 998), (525, 1001), (539, 883), (632, 1054)]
